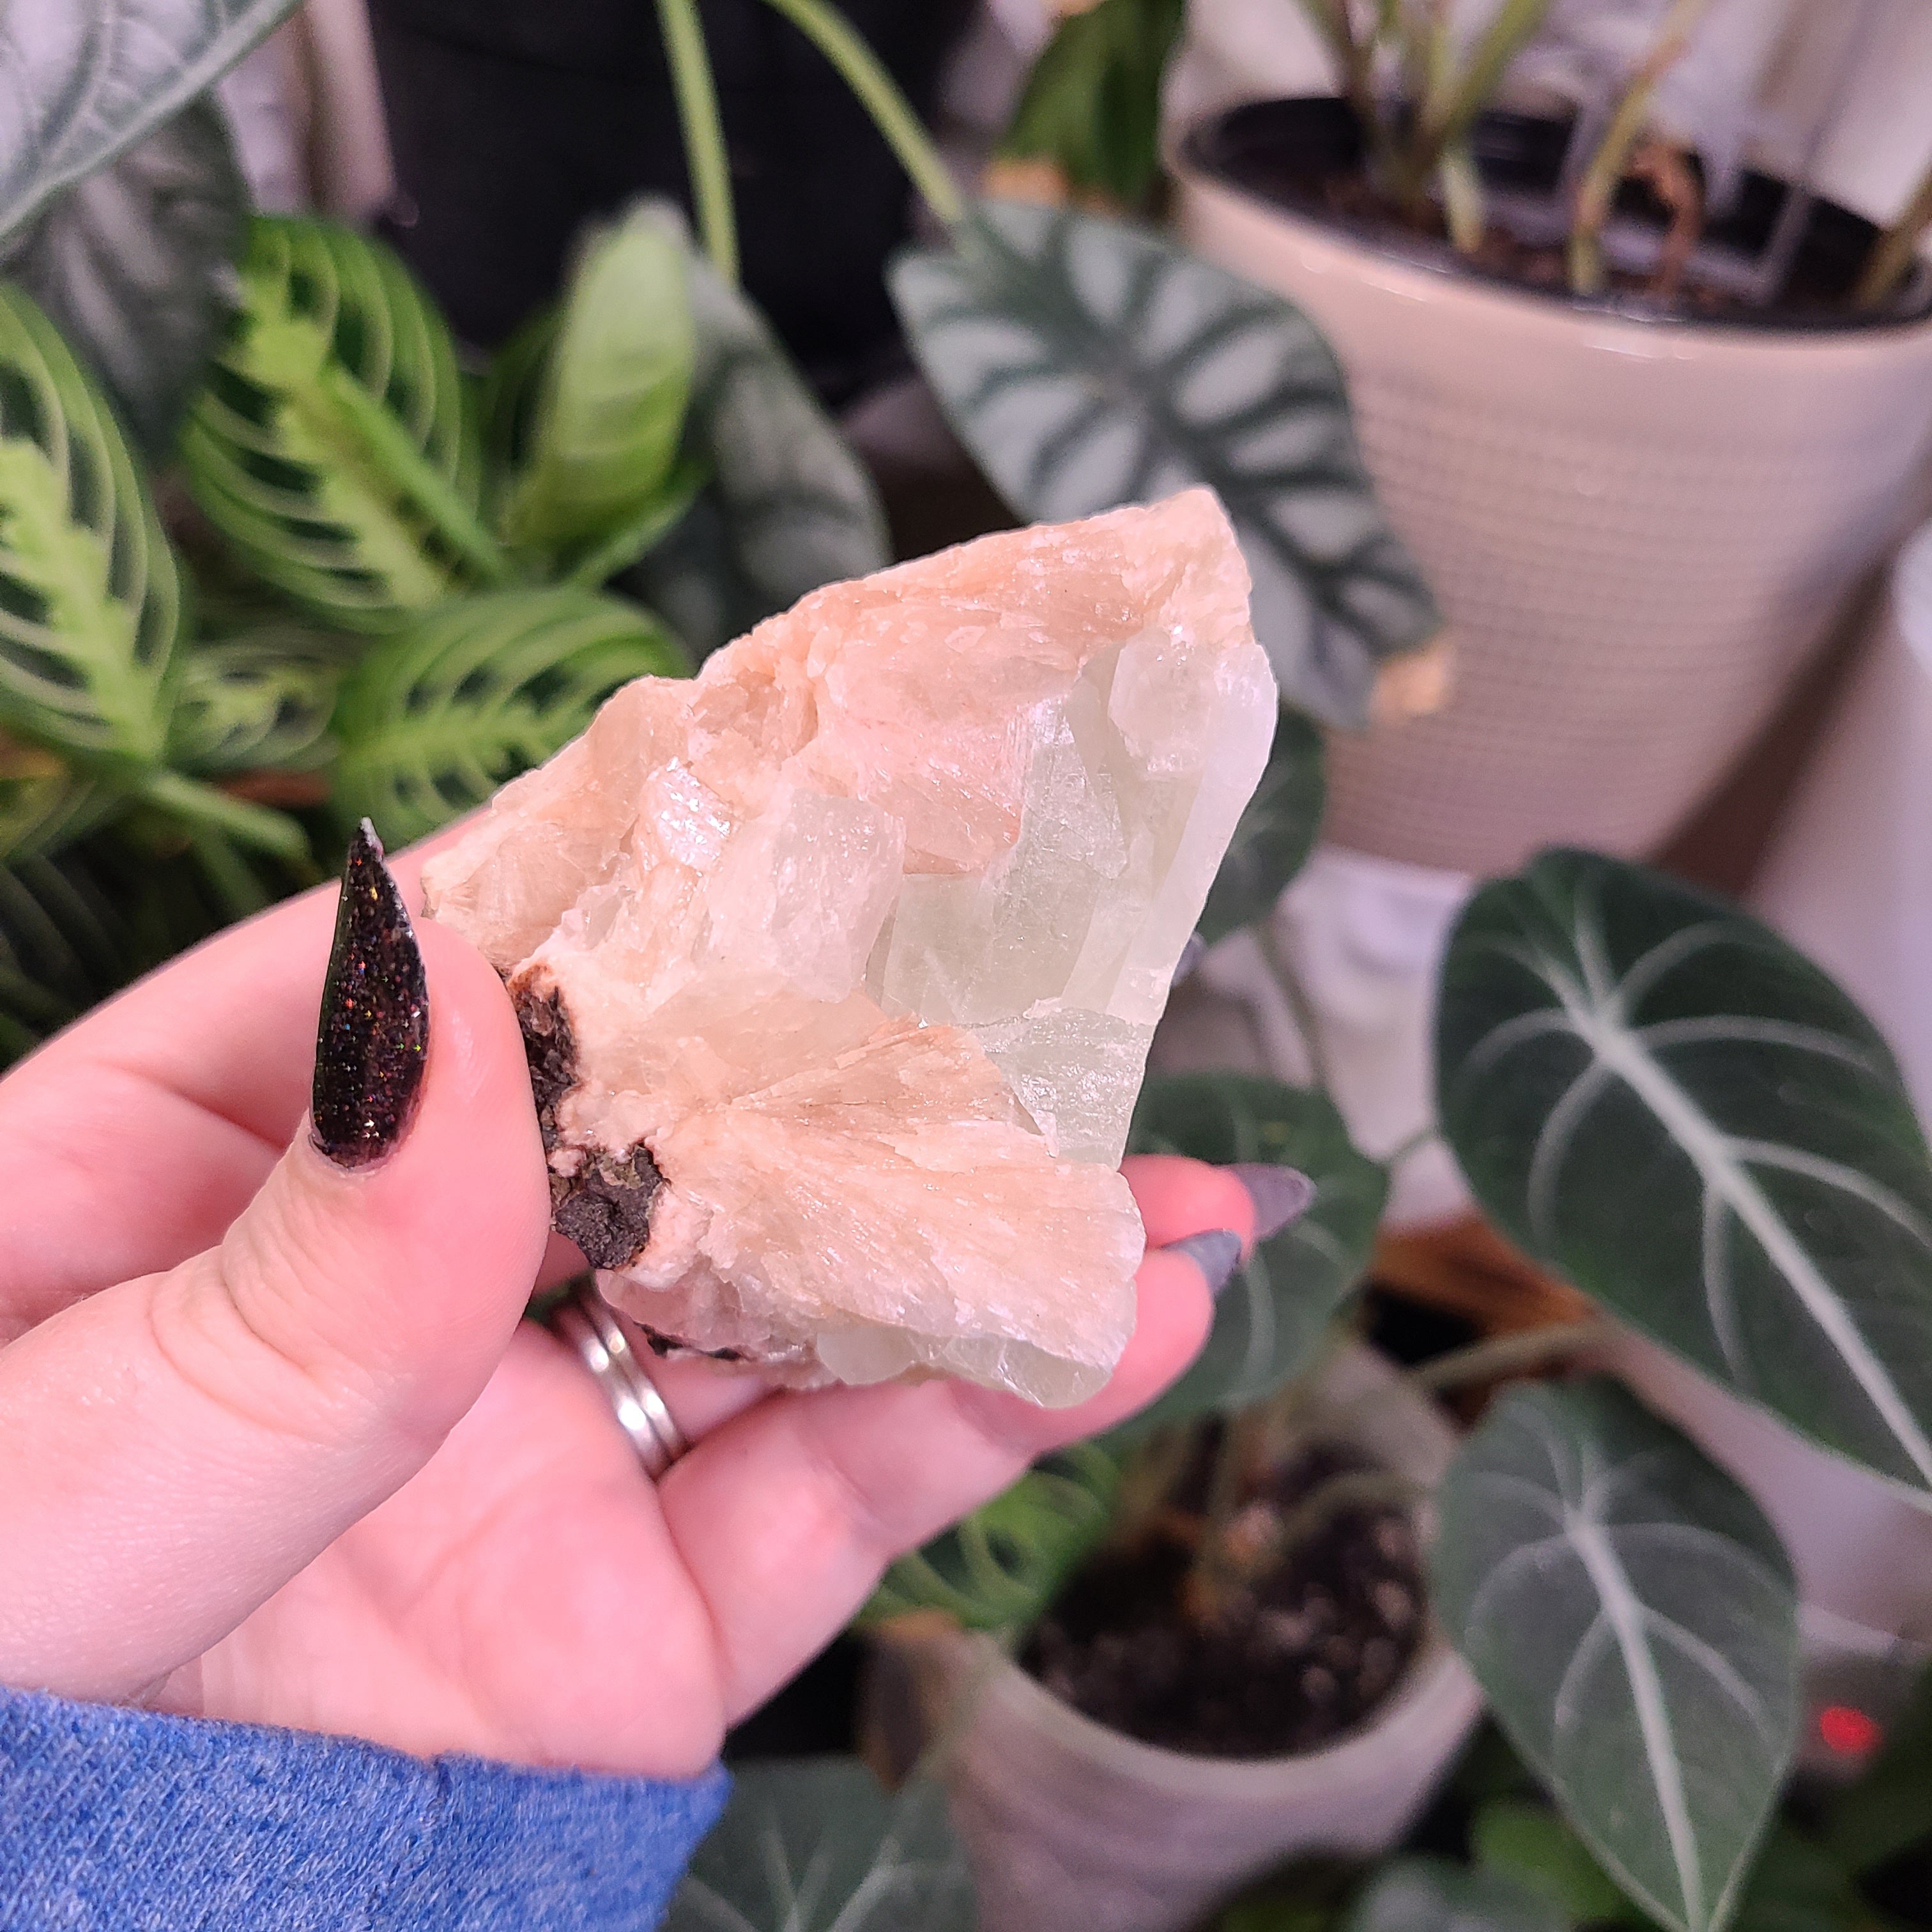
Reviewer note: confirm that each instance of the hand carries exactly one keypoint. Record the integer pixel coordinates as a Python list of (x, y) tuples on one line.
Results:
[(275, 1446)]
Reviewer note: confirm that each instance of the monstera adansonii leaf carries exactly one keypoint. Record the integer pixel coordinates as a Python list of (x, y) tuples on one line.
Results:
[(1656, 1095), (331, 445), (1275, 833), (1632, 1619), (132, 265), (815, 1845), (1088, 363), (1418, 1894), (82, 79), (1268, 1319), (788, 505), (433, 720)]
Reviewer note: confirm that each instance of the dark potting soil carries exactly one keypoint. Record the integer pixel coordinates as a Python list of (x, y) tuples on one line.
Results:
[(1306, 155), (1305, 1655)]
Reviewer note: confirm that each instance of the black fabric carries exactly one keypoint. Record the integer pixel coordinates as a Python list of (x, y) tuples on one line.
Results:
[(514, 121)]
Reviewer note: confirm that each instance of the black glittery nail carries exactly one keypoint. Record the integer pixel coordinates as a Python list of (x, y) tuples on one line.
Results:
[(374, 1030)]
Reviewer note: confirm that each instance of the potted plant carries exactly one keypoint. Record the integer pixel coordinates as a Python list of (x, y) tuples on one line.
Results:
[(1652, 1095), (1647, 414)]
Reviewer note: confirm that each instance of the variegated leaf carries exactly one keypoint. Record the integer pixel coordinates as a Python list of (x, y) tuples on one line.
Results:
[(1656, 1095), (82, 79), (814, 1845), (1088, 363), (1632, 1619)]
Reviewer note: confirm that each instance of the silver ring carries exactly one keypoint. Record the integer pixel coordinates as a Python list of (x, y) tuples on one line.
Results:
[(587, 1322)]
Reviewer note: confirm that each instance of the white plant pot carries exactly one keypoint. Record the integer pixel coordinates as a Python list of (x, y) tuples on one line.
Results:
[(1640, 531), (1849, 875), (1072, 1827)]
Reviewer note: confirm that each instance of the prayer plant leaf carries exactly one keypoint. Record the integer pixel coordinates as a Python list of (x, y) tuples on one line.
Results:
[(64, 944), (1420, 1894), (82, 79), (604, 423), (1001, 1567), (815, 1845), (1655, 1095), (1276, 833), (44, 804), (432, 720), (330, 444), (256, 703), (788, 506), (1269, 1318), (1631, 1618), (1088, 363), (134, 265), (1531, 1843), (90, 596)]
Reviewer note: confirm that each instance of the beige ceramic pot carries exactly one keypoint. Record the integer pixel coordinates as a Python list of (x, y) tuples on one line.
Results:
[(1640, 530), (1072, 1825)]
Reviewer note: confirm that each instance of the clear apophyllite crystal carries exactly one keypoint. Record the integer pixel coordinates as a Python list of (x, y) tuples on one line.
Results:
[(839, 962)]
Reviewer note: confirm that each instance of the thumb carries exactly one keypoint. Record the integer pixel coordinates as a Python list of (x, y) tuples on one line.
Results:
[(175, 1448)]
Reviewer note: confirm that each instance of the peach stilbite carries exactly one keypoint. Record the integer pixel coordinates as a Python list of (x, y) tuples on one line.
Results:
[(839, 962)]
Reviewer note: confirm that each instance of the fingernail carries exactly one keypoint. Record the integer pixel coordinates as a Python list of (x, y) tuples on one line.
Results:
[(1280, 1194), (1214, 1251), (374, 1029)]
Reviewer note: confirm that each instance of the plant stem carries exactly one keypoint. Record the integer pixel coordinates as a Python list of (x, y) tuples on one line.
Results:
[(1215, 1567), (201, 805), (425, 485), (1891, 253), (1598, 189), (1463, 201), (1281, 969), (1458, 101), (1505, 1355), (1354, 61), (696, 96), (832, 33)]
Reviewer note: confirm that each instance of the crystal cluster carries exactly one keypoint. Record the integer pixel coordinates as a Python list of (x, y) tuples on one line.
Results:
[(837, 963)]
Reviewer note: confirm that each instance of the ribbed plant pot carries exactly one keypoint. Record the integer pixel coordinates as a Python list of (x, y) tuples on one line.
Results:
[(1072, 1827), (1640, 529)]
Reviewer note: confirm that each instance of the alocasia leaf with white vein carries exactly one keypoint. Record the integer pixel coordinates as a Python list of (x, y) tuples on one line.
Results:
[(1632, 1619), (1655, 1095), (82, 79)]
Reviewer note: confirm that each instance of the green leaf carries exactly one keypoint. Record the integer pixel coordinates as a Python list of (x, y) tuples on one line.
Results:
[(1532, 1844), (1091, 106), (1889, 1809), (64, 946), (256, 702), (1797, 1886), (1631, 1618), (604, 423), (1415, 1894), (814, 1845), (789, 506), (1000, 1568), (82, 82), (1269, 1318), (331, 445), (44, 804), (431, 722), (90, 598), (1088, 363), (1655, 1095), (1275, 833), (133, 265)]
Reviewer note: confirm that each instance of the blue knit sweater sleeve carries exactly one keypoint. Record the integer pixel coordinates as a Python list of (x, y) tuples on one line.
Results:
[(123, 1821)]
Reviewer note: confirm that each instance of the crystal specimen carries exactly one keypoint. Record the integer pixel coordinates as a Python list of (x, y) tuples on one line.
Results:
[(838, 963)]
